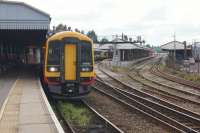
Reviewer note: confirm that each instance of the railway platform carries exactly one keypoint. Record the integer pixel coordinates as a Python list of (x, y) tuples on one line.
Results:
[(125, 63), (26, 108)]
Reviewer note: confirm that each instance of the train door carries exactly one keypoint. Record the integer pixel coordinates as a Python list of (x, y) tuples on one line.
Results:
[(70, 62)]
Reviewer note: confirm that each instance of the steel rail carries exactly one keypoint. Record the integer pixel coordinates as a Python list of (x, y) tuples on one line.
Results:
[(161, 112), (176, 79), (109, 124)]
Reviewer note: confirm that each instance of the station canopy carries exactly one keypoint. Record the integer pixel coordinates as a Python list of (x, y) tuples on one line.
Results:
[(22, 23), (174, 45)]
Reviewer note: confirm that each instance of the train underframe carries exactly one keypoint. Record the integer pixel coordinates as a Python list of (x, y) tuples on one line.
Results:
[(68, 90)]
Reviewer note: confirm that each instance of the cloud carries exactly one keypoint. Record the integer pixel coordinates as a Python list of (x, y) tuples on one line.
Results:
[(156, 20)]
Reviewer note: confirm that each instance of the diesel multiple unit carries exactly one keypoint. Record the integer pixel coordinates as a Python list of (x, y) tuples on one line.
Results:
[(68, 67)]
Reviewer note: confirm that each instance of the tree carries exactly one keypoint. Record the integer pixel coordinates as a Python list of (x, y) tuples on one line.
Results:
[(91, 34), (82, 32), (148, 45), (104, 40), (60, 27), (69, 28), (143, 41), (125, 38), (77, 30)]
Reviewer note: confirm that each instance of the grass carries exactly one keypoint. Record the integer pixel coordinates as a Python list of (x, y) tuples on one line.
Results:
[(75, 113), (192, 77), (162, 66), (119, 69), (115, 69), (187, 76)]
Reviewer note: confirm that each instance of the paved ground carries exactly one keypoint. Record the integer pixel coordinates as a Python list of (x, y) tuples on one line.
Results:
[(6, 81), (25, 111)]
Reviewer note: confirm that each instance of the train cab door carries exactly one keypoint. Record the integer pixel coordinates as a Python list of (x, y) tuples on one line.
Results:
[(70, 61)]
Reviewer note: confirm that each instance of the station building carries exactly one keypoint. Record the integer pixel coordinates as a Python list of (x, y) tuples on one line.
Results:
[(179, 49), (23, 31), (107, 49), (120, 50), (129, 52), (24, 106)]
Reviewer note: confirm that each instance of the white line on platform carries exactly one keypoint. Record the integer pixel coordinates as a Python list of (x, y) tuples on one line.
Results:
[(6, 100), (52, 114)]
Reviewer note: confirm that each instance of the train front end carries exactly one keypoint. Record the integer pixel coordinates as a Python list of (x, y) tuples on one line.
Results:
[(69, 65)]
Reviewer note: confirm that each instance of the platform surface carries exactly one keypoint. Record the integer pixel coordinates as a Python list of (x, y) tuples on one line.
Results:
[(6, 82), (26, 111)]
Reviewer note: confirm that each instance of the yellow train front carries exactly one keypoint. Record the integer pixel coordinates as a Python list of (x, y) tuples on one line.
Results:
[(68, 69)]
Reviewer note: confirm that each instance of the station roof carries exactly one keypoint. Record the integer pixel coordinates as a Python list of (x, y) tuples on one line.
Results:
[(144, 47), (127, 46), (110, 46), (106, 46), (18, 15), (117, 40), (173, 45)]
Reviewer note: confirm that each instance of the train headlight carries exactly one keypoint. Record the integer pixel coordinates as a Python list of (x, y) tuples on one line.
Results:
[(86, 69), (53, 69)]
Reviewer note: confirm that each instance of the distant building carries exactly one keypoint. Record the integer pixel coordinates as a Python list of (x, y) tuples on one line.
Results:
[(182, 51), (123, 51), (127, 52)]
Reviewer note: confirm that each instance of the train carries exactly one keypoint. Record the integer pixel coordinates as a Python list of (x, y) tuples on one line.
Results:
[(100, 55), (68, 65)]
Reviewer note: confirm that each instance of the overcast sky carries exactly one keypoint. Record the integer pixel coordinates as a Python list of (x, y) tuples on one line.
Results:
[(156, 20)]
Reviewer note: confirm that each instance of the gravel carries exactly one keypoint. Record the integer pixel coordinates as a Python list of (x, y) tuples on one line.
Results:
[(130, 121), (187, 105)]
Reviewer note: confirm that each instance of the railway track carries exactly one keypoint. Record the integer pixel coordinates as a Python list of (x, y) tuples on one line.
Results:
[(179, 119), (110, 127), (141, 63), (189, 95), (99, 124), (155, 89), (167, 89), (156, 70), (131, 89), (192, 92), (67, 127)]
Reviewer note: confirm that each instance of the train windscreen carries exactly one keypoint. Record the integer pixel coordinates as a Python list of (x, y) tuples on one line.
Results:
[(86, 53), (54, 53)]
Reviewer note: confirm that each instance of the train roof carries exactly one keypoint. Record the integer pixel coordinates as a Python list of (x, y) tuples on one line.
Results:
[(63, 34)]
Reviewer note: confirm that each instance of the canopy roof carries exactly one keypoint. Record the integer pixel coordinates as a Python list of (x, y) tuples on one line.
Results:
[(173, 45), (20, 16)]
